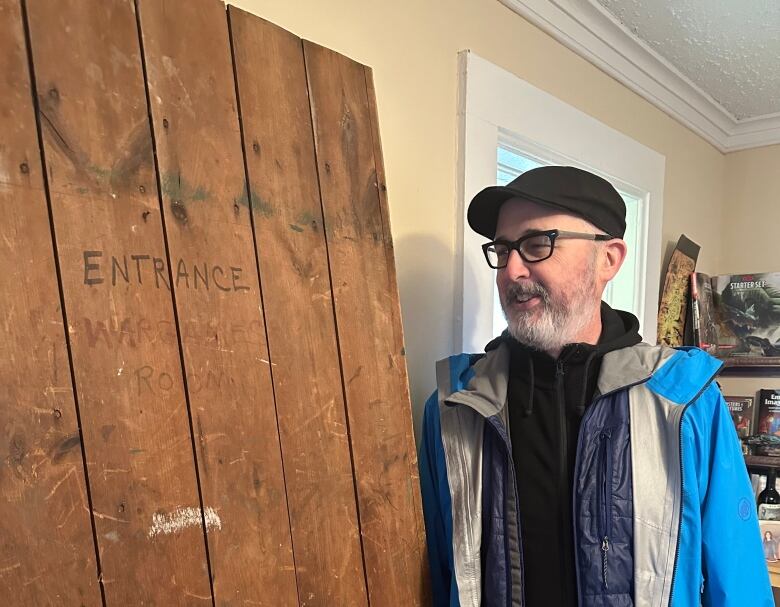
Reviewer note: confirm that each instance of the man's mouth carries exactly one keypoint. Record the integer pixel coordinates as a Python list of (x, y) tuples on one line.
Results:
[(522, 298), (525, 302)]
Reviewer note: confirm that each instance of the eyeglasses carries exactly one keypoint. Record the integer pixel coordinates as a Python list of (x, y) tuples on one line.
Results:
[(533, 247)]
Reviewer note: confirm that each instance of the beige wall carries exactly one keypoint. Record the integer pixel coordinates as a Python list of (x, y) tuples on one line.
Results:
[(412, 47), (751, 218), (751, 212)]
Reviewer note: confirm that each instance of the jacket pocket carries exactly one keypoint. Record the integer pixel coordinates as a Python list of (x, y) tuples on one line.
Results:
[(605, 500)]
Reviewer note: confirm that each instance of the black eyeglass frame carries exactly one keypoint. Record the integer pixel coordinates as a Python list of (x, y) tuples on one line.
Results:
[(553, 235)]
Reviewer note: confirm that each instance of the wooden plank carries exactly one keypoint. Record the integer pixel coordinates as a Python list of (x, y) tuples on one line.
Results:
[(292, 252), (368, 321), (201, 168), (128, 375), (420, 558), (47, 551)]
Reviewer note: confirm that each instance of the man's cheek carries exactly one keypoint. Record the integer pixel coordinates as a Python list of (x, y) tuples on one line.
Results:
[(502, 283)]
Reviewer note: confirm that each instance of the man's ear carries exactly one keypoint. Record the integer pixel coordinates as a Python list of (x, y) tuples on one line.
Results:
[(613, 255)]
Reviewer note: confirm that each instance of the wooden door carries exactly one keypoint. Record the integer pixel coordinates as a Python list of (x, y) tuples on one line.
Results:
[(204, 390)]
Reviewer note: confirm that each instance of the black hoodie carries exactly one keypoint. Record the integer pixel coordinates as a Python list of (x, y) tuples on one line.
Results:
[(547, 398)]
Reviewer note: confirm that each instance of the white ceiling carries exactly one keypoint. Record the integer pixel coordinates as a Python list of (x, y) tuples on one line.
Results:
[(714, 65), (729, 48)]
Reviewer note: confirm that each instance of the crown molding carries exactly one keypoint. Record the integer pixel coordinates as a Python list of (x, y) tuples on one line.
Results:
[(586, 28)]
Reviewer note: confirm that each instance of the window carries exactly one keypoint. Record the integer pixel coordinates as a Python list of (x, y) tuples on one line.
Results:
[(506, 127)]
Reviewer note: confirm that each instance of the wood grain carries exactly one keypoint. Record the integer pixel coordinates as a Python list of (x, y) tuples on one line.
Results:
[(201, 168), (98, 158), (298, 299), (47, 553), (369, 330)]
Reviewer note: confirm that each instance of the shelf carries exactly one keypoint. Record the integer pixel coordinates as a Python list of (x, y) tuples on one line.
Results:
[(762, 461), (751, 366), (774, 573)]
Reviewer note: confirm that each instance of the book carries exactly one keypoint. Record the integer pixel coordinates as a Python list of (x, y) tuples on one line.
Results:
[(696, 320), (673, 307), (706, 329), (747, 309), (769, 411), (743, 413)]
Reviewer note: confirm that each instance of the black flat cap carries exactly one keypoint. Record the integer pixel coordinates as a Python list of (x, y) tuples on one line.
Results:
[(564, 188)]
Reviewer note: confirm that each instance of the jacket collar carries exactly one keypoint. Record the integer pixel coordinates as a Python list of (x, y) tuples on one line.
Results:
[(630, 366), (480, 382), (482, 386)]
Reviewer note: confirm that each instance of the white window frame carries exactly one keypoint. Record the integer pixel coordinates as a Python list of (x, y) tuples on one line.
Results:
[(495, 106)]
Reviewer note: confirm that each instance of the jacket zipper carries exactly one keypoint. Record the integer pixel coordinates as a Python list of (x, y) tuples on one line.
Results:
[(559, 372), (563, 469), (605, 472), (575, 509)]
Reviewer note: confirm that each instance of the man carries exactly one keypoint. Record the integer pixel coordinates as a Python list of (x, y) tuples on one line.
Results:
[(571, 464)]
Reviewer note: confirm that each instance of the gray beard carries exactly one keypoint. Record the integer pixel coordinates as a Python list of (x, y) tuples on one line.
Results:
[(559, 323)]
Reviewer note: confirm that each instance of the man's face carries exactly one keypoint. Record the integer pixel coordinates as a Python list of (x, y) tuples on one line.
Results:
[(550, 303)]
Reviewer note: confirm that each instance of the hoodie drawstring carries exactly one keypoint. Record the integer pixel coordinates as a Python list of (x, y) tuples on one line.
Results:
[(528, 407)]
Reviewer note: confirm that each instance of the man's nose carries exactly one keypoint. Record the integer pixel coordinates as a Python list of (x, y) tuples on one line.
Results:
[(516, 266)]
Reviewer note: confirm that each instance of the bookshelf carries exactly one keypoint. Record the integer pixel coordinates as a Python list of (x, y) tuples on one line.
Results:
[(753, 366), (762, 461), (741, 377)]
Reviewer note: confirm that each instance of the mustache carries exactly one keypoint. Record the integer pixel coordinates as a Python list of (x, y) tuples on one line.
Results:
[(519, 290)]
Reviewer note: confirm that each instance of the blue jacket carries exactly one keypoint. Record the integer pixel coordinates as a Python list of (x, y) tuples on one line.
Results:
[(663, 509)]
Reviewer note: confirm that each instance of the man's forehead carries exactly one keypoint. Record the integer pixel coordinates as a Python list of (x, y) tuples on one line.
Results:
[(520, 215)]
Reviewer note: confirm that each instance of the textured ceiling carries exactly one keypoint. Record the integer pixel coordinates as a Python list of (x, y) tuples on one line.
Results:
[(728, 48)]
